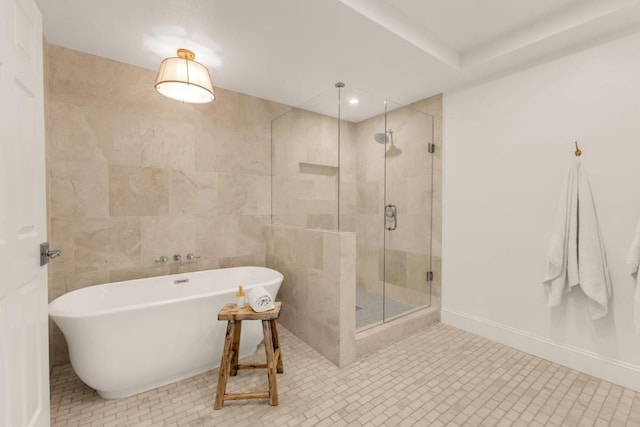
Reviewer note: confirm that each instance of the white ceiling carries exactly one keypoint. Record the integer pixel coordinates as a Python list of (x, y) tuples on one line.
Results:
[(291, 51)]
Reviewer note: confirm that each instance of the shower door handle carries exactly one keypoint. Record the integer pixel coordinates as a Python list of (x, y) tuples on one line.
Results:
[(390, 217)]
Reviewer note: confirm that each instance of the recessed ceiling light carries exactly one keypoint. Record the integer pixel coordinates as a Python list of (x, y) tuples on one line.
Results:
[(353, 101)]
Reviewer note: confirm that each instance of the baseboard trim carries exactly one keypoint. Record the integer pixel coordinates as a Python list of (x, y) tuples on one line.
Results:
[(606, 368)]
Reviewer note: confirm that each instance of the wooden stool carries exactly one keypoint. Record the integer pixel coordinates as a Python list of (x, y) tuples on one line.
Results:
[(229, 363)]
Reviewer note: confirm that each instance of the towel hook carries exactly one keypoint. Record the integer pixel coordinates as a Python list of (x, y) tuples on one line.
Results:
[(578, 151)]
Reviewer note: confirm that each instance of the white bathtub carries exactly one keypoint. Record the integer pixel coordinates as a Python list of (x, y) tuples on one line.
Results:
[(128, 337)]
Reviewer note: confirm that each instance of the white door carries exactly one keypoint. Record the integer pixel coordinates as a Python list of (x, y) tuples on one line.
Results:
[(24, 373)]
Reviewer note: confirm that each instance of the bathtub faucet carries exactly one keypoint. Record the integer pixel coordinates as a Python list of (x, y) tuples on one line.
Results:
[(178, 258)]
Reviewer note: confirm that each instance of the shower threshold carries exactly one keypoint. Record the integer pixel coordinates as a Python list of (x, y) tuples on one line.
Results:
[(382, 334)]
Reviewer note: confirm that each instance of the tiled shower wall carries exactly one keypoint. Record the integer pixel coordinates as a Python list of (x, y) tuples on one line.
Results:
[(133, 176), (305, 171), (318, 291)]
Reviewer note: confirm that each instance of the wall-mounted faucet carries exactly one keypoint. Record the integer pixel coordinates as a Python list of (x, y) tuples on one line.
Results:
[(178, 257)]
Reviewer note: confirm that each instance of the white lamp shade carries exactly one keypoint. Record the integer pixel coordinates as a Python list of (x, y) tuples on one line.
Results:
[(184, 80)]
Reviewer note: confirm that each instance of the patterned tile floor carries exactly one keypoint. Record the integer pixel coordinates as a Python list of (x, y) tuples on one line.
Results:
[(439, 376)]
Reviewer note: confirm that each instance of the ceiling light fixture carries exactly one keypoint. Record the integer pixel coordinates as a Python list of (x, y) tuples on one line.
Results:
[(184, 79), (353, 101)]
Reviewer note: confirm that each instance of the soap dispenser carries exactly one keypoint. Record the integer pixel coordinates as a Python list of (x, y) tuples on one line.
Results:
[(240, 297)]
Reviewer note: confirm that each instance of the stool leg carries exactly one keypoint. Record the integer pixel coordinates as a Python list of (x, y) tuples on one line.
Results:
[(224, 365), (235, 348), (276, 344), (271, 368)]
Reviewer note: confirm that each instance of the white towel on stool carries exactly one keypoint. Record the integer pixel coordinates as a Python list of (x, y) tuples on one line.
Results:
[(576, 254), (633, 259), (260, 300)]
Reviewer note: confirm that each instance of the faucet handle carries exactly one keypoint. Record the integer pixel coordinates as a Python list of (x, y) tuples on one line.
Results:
[(191, 256), (162, 259), (177, 257)]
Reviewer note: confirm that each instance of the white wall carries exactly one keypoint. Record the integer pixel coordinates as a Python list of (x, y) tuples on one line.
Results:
[(508, 145)]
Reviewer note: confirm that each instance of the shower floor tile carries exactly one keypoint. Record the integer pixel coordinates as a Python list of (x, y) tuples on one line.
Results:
[(369, 308), (439, 376)]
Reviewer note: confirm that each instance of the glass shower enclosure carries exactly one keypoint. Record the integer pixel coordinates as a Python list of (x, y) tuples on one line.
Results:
[(350, 161)]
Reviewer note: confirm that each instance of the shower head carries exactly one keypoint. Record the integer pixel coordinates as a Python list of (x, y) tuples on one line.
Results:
[(382, 138)]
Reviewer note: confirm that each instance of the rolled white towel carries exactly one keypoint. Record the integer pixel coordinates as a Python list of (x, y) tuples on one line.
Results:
[(260, 300)]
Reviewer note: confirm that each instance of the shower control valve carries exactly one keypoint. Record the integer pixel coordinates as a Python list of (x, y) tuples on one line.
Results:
[(162, 259), (390, 217), (191, 256)]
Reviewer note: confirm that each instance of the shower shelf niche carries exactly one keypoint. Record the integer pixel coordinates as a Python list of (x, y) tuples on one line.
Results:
[(318, 168)]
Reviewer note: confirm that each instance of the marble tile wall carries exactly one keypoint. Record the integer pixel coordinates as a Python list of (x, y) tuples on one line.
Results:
[(318, 291), (305, 171), (370, 199), (133, 176), (348, 176)]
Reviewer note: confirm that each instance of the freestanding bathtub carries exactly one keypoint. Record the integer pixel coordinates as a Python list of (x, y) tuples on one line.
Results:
[(128, 337)]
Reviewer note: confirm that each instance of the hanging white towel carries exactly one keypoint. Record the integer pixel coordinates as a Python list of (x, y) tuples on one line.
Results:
[(576, 254), (633, 259), (563, 264)]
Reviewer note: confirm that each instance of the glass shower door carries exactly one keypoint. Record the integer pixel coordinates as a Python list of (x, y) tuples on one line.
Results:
[(408, 164), (385, 198), (368, 181)]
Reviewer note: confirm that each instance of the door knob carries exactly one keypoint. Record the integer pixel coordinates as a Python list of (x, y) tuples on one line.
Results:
[(53, 253), (46, 254)]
